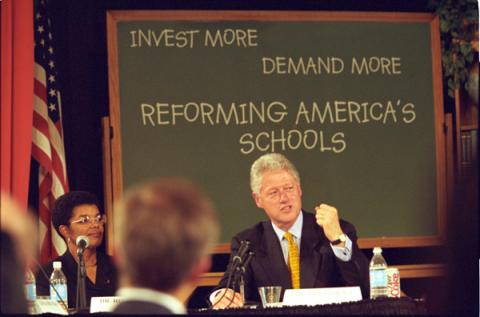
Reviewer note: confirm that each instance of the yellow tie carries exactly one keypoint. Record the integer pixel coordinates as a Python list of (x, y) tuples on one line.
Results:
[(293, 260)]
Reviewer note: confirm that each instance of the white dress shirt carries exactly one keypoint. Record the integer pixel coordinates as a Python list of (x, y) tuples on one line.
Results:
[(343, 253), (149, 295)]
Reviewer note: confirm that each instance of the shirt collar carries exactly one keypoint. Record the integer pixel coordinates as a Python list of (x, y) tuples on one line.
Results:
[(295, 229), (149, 295)]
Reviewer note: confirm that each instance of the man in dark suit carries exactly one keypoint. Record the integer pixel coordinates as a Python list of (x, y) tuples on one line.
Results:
[(164, 231), (295, 248)]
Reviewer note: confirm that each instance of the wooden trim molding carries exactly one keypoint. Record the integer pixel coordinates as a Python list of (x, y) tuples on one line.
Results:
[(107, 184), (369, 243), (219, 15), (210, 279), (406, 272), (421, 270)]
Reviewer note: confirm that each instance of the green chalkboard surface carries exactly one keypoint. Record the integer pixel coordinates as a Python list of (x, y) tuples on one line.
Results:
[(352, 99)]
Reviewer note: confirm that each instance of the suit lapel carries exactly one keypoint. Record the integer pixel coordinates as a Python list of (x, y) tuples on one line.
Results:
[(271, 258), (310, 259)]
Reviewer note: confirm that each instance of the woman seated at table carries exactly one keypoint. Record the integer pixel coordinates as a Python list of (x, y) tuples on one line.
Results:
[(77, 213)]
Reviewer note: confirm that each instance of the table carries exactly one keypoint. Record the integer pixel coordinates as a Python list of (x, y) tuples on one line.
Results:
[(381, 306)]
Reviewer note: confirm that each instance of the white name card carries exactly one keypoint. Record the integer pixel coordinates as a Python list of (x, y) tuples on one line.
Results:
[(103, 304), (321, 296), (48, 306)]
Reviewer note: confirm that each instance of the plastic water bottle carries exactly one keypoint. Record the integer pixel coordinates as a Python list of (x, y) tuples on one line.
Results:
[(378, 275), (30, 286), (59, 281)]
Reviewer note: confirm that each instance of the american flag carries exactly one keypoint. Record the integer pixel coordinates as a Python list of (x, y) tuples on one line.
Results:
[(47, 138)]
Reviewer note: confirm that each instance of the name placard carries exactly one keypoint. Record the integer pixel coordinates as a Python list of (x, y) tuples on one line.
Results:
[(321, 296), (44, 306), (103, 304)]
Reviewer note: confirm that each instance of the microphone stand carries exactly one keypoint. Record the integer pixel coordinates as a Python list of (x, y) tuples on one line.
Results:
[(241, 281), (240, 271), (81, 302), (237, 270)]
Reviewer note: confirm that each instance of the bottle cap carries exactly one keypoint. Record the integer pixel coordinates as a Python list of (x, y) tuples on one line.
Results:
[(377, 250), (57, 265)]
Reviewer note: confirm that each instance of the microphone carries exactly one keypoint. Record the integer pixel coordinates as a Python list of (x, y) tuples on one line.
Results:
[(81, 301), (244, 245), (248, 260), (82, 244), (237, 270)]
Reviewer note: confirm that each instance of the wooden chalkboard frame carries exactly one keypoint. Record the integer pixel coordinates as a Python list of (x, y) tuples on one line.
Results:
[(115, 165)]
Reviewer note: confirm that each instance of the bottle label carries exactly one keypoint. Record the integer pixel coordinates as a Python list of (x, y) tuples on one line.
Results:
[(378, 278), (62, 291), (31, 292)]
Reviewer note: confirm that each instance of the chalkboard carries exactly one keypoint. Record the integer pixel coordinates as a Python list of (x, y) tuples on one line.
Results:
[(353, 99)]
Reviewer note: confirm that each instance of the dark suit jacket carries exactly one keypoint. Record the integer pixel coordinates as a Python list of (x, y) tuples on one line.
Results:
[(141, 307), (319, 267), (105, 284)]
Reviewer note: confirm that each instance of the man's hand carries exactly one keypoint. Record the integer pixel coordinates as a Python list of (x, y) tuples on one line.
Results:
[(228, 294), (327, 218)]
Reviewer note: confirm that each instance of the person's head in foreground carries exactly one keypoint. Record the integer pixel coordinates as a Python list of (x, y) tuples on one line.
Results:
[(164, 232)]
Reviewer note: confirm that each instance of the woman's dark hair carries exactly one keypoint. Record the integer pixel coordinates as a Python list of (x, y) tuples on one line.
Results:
[(64, 205)]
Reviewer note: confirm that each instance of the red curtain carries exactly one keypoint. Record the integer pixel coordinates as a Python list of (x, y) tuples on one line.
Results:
[(17, 58)]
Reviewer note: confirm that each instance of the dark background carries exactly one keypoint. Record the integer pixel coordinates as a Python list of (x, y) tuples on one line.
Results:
[(79, 31)]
